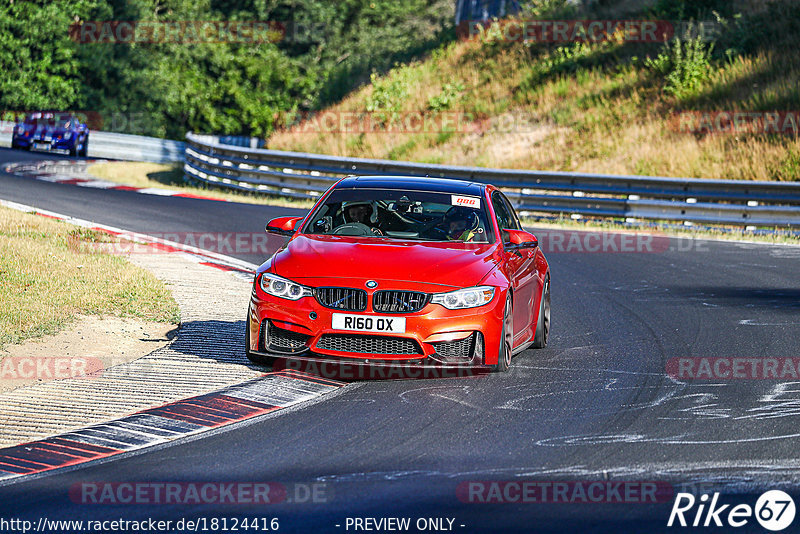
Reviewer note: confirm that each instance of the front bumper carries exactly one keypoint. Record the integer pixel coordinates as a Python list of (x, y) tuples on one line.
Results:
[(44, 144), (434, 335), (21, 140)]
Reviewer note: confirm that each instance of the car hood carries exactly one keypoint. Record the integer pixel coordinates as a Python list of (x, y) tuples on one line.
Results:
[(51, 130), (314, 259)]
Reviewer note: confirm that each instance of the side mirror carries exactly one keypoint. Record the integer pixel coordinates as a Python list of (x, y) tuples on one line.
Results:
[(519, 239), (284, 226)]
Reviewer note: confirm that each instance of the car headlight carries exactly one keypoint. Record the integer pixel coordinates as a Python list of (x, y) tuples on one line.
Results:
[(284, 288), (471, 297), (67, 136)]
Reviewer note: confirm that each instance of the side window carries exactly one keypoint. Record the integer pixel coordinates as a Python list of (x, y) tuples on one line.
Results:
[(505, 218), (514, 220)]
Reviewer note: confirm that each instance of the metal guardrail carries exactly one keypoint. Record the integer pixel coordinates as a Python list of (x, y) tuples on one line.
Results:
[(120, 146), (5, 133), (239, 163), (302, 175), (135, 147)]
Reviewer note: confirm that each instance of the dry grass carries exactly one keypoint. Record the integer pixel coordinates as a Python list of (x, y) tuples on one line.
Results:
[(138, 174), (47, 279), (600, 110)]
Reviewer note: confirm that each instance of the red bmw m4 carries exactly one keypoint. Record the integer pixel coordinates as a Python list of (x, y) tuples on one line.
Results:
[(398, 270)]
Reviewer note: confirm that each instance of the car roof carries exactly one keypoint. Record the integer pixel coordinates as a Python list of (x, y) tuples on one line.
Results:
[(414, 183)]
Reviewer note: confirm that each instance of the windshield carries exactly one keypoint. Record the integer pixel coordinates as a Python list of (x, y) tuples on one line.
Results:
[(57, 121), (401, 214)]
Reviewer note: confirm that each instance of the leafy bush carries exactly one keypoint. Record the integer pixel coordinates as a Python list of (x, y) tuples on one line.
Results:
[(691, 9), (388, 95), (547, 9), (451, 93), (684, 64)]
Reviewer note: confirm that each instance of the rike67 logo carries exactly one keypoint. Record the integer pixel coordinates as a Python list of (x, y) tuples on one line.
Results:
[(774, 510)]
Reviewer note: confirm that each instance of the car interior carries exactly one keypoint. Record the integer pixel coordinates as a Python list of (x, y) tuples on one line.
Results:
[(412, 216)]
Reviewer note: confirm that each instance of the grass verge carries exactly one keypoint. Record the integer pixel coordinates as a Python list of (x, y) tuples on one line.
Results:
[(138, 174), (47, 279)]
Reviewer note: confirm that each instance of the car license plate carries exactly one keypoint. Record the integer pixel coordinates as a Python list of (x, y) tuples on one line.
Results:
[(366, 323), (41, 146)]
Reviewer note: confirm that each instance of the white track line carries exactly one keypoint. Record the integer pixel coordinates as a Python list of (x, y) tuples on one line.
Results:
[(126, 234)]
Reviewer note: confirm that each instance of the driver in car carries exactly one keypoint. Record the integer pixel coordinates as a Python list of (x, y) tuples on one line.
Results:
[(461, 224), (363, 212)]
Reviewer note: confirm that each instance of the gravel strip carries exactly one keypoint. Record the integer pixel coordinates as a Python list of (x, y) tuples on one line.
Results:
[(206, 355)]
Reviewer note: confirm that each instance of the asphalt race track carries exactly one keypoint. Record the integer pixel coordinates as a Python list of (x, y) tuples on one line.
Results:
[(597, 405)]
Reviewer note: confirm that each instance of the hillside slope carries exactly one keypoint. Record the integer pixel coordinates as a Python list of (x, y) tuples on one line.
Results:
[(614, 105)]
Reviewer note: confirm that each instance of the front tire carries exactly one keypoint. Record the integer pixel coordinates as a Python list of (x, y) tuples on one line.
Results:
[(84, 151), (543, 321), (506, 339)]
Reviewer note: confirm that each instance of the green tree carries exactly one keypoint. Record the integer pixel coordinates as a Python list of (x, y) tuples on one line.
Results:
[(38, 60)]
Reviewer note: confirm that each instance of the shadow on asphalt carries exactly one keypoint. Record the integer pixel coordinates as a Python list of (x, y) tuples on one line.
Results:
[(740, 297), (223, 341)]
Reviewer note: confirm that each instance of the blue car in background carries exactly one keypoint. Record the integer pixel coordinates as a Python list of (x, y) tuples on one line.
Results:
[(52, 131)]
